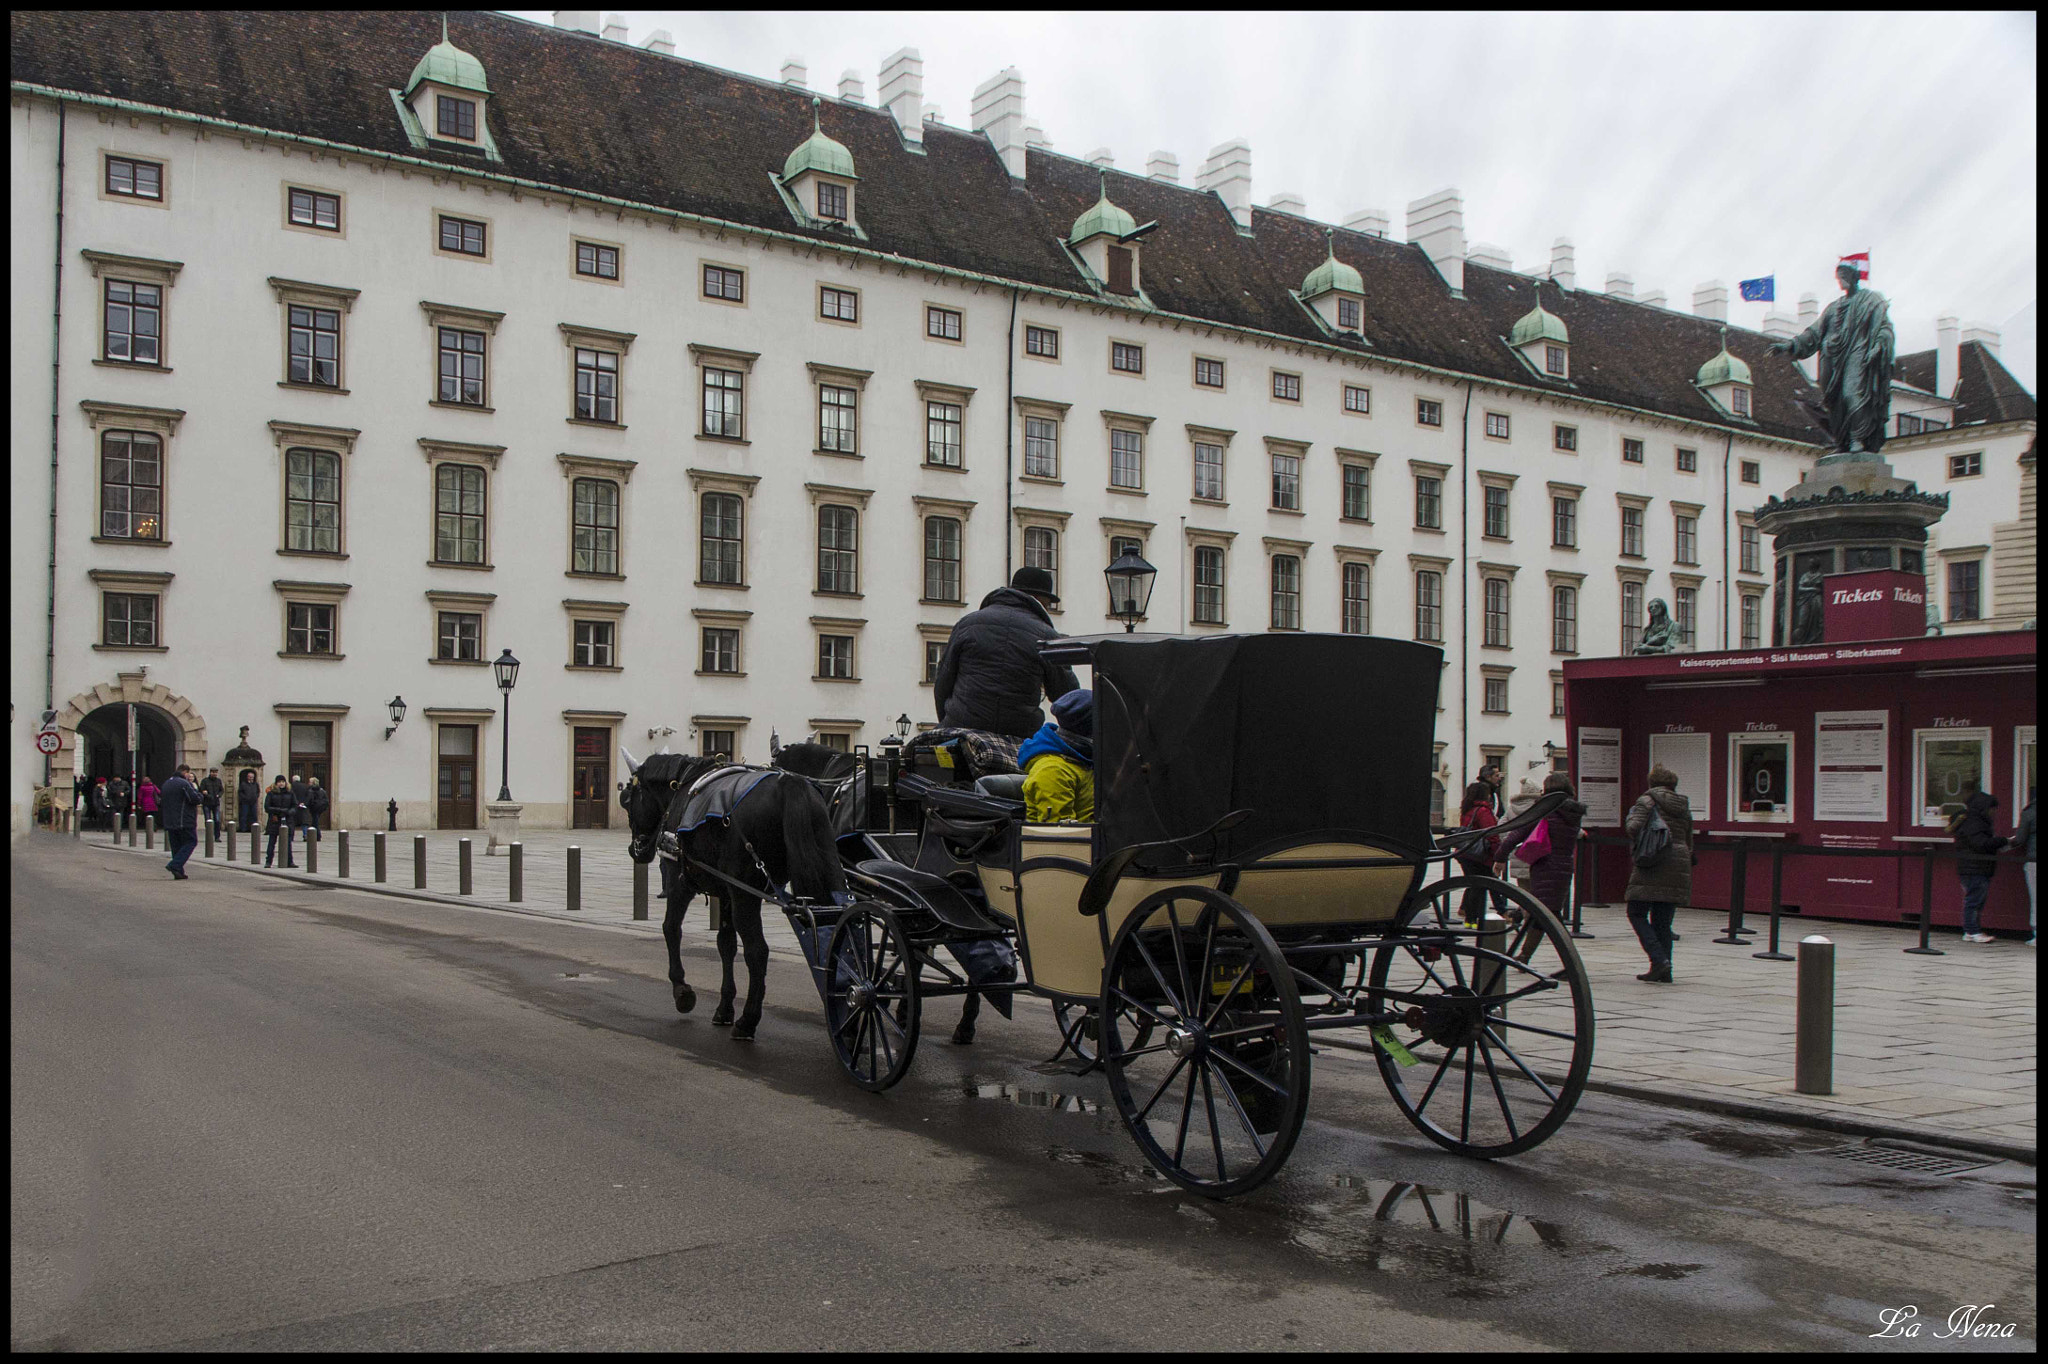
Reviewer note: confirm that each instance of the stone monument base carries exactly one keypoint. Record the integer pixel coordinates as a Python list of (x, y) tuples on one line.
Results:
[(501, 819)]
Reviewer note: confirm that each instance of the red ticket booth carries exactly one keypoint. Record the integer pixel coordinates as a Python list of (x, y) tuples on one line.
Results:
[(1853, 745)]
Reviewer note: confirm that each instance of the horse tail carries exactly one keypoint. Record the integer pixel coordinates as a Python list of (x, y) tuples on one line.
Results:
[(810, 855)]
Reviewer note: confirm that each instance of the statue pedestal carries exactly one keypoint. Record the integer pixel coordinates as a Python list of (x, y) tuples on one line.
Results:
[(501, 820), (1850, 515)]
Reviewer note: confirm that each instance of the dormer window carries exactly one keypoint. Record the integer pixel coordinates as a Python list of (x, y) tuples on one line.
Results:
[(1335, 292), (1120, 270), (1553, 360), (1726, 380), (831, 200), (455, 117), (1738, 400), (443, 101), (817, 181), (1105, 240), (1543, 342), (1350, 314)]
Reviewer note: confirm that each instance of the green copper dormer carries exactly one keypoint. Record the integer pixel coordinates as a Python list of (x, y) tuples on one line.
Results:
[(1104, 217), (1726, 380), (818, 182), (1332, 274), (1335, 293), (444, 105), (819, 153), (446, 64), (1107, 242), (1539, 324)]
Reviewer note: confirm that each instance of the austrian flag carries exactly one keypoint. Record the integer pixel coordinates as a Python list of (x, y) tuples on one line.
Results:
[(1861, 260)]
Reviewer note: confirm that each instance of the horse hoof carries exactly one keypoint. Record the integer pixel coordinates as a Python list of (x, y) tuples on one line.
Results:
[(686, 999), (743, 1031), (963, 1036), (721, 1017)]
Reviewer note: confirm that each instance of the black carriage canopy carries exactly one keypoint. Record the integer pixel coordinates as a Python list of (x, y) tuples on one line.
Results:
[(1322, 737)]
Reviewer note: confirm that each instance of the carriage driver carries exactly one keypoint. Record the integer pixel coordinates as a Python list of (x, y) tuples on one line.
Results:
[(991, 675)]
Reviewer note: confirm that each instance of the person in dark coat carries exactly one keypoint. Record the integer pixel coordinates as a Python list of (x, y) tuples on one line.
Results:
[(302, 798), (2024, 841), (248, 800), (96, 801), (991, 676), (280, 810), (1977, 865), (178, 805), (1550, 878), (317, 802), (1478, 857), (1655, 892), (210, 789), (117, 801)]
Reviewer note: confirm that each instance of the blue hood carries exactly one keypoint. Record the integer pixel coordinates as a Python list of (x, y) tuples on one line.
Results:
[(1052, 739)]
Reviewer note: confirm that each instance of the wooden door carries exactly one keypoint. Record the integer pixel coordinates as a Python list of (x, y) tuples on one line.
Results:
[(312, 755), (591, 778), (455, 788)]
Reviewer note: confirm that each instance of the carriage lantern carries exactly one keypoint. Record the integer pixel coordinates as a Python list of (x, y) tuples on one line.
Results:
[(507, 669), (1130, 588)]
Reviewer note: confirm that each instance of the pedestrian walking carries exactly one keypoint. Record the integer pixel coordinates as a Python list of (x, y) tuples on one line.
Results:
[(179, 802), (1492, 776), (1971, 829), (1662, 879), (1477, 858), (97, 798), (248, 800), (316, 808), (1511, 868), (279, 811), (118, 797), (2025, 839), (210, 790), (1550, 873), (146, 797)]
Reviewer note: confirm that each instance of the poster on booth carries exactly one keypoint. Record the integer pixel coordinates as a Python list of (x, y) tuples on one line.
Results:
[(1599, 754), (1850, 768)]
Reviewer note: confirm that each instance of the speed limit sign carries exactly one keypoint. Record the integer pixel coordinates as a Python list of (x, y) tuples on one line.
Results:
[(48, 741)]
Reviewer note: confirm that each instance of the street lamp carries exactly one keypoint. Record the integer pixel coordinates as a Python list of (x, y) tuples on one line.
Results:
[(902, 727), (507, 669), (1130, 588), (397, 709)]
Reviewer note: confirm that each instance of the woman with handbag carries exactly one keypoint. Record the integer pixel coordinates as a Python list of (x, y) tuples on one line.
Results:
[(1662, 877), (1549, 850)]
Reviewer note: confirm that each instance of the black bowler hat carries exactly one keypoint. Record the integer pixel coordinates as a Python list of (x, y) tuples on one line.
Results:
[(1036, 581)]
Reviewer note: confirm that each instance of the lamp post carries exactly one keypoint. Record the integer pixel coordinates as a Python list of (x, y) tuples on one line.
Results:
[(902, 728), (507, 669), (1130, 581), (396, 707)]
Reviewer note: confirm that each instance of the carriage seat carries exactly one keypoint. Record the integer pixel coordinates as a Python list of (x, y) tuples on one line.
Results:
[(942, 897), (1003, 786)]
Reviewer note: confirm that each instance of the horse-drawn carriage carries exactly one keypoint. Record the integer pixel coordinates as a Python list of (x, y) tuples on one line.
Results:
[(1258, 871)]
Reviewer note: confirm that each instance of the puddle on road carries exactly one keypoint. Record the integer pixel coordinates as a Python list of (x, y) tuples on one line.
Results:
[(1657, 1271), (1374, 1227), (1024, 1097)]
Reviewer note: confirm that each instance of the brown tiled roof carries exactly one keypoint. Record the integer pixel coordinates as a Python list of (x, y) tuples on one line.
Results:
[(576, 111), (1985, 388)]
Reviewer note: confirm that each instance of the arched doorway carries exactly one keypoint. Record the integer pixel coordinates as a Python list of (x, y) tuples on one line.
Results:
[(103, 739), (92, 732)]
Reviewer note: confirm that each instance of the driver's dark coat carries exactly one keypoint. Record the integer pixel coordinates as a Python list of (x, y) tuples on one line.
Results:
[(991, 676)]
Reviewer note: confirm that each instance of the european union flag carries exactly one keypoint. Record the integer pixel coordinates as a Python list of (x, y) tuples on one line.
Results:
[(1763, 290)]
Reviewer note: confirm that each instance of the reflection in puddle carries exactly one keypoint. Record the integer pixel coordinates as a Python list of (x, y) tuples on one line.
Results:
[(1033, 1098), (1467, 1233)]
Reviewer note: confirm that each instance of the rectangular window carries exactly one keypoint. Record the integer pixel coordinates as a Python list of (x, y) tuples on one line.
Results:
[(1357, 399), (1286, 592), (1208, 585), (1688, 461), (1287, 387), (1565, 438), (841, 305), (594, 640), (835, 656), (1686, 530), (1357, 492), (462, 236), (1948, 764), (455, 117), (1966, 466), (1752, 471), (1287, 482), (597, 385), (1496, 696), (1127, 358), (1042, 341), (718, 743), (1429, 606), (462, 366), (838, 549), (1350, 315), (1631, 451), (721, 652), (1208, 373), (1553, 359), (135, 179), (459, 636), (1357, 599), (721, 283), (941, 558), (1739, 400), (1752, 622), (1564, 620), (1752, 549), (1496, 511), (934, 654), (1632, 532), (837, 416), (1126, 459), (1685, 608), (1564, 522), (1761, 779), (1041, 447), (831, 201), (1429, 412), (594, 526), (134, 322), (599, 262), (312, 501), (1631, 617), (1965, 582), (1208, 471), (1557, 703), (458, 514), (309, 628), (1042, 550), (1497, 593), (719, 559), (1429, 502), (131, 486), (1497, 425), (311, 208), (942, 434), (943, 323), (723, 406), (314, 346), (129, 619)]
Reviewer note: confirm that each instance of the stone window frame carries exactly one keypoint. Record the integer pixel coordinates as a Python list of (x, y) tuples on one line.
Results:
[(439, 452), (1138, 346), (1641, 449), (859, 311), (339, 441), (1697, 511), (1948, 466), (1746, 467), (339, 232), (704, 481), (297, 593), (705, 357), (823, 495), (1490, 673), (709, 618), (133, 583), (1506, 483), (1746, 520), (1345, 556), (576, 240), (476, 604), (1116, 528), (737, 724), (1348, 409), (1641, 503), (1045, 409), (1506, 423), (107, 265), (931, 391), (1438, 404), (1502, 573), (1365, 459), (1552, 580), (928, 634), (705, 263), (161, 422), (575, 337), (837, 626), (1275, 382), (1276, 546), (825, 376), (1678, 454), (1045, 518), (613, 613), (1209, 435), (1558, 430), (1195, 373), (1979, 554), (1131, 422), (837, 727), (1575, 493), (1297, 450), (1207, 537), (309, 295), (1420, 469), (489, 225), (1692, 582), (1557, 694), (619, 471), (960, 323), (956, 509), (1058, 343), (1626, 574), (1743, 599), (1441, 566), (453, 315), (162, 198)]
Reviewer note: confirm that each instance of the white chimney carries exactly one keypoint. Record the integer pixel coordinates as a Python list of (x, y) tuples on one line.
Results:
[(1987, 337), (1562, 268), (794, 72), (1163, 166), (1371, 221), (1809, 313), (615, 28), (1228, 172), (660, 41), (902, 93), (576, 20), (1288, 201), (1101, 159), (1948, 341), (1489, 255), (1621, 286), (998, 112), (1034, 136), (1710, 300), (1654, 298), (1436, 223), (1780, 326), (851, 87)]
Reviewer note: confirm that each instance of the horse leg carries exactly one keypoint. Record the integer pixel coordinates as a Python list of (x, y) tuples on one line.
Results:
[(964, 1034), (728, 945), (747, 910), (672, 933)]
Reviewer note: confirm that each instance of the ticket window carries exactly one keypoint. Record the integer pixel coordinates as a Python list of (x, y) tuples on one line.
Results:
[(1760, 778), (1948, 764)]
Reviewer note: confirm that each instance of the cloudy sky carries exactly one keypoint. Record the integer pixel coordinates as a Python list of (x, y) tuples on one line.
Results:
[(1674, 149)]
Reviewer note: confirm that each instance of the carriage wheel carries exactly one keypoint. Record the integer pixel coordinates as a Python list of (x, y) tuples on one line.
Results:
[(1078, 1030), (1497, 1037), (1203, 1040), (871, 1004)]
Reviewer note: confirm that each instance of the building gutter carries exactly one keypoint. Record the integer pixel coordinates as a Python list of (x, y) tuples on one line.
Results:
[(1727, 455), (343, 149), (1009, 436), (1465, 584), (56, 370)]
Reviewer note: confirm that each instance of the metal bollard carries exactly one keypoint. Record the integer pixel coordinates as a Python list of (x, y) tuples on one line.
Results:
[(462, 881), (149, 831), (1489, 977), (312, 852), (419, 861), (1926, 908), (231, 840), (209, 838), (255, 838), (341, 854), (1777, 885), (517, 872), (639, 890), (1813, 1067), (575, 900), (377, 856)]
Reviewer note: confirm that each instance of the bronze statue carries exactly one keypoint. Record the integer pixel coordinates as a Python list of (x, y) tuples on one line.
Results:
[(1806, 609), (1659, 636), (1854, 339)]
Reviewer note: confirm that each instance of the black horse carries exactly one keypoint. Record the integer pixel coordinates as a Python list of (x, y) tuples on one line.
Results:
[(784, 822)]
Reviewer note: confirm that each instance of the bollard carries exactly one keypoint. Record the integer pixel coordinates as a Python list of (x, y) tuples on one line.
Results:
[(312, 851), (639, 890), (209, 839), (462, 881), (517, 872), (113, 830), (1926, 908), (575, 900), (1488, 977), (419, 861), (391, 814), (149, 831), (129, 824), (255, 838), (341, 854), (1813, 1067), (74, 823), (231, 840), (1777, 884), (377, 856)]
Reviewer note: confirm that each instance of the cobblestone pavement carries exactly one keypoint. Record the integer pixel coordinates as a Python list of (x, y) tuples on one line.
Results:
[(1939, 1047)]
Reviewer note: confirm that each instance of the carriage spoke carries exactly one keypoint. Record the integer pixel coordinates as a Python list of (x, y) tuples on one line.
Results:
[(851, 1018), (882, 1036), (1465, 1118), (1531, 1027), (1180, 956), (1209, 916), (1179, 1006), (1142, 1008), (1498, 1093), (1238, 1108), (1162, 1088), (1215, 1133), (1534, 1078), (1187, 1109), (1227, 1059), (1228, 995), (1429, 1093), (1251, 1030)]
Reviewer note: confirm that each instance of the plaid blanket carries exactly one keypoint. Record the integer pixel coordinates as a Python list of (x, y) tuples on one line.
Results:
[(988, 755)]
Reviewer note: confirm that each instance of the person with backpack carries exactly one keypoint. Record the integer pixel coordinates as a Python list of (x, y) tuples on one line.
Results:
[(317, 804), (1971, 829), (1477, 858), (1659, 827)]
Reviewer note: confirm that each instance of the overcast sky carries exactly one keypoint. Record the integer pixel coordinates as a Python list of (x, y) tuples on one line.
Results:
[(1675, 149)]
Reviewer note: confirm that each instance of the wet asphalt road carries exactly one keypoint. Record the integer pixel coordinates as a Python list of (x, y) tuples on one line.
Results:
[(248, 1115)]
